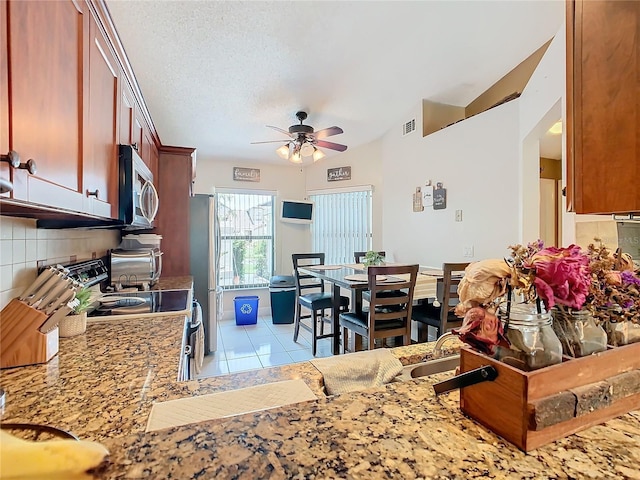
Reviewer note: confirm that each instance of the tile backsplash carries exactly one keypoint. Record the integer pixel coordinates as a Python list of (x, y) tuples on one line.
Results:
[(22, 246)]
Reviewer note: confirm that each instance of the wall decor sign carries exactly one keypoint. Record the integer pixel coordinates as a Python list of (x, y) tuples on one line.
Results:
[(337, 174), (241, 174), (417, 200), (439, 197)]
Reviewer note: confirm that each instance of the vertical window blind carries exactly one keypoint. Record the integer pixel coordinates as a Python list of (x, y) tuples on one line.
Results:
[(342, 224)]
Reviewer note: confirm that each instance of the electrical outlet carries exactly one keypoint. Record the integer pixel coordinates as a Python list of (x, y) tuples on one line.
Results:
[(458, 215), (467, 251)]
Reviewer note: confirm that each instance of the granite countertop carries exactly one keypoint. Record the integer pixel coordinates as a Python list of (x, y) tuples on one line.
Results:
[(102, 384)]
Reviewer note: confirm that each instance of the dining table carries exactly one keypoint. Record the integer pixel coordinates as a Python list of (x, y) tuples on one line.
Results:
[(353, 277)]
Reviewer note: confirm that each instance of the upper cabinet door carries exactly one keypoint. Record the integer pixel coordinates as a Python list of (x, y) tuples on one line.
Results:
[(46, 55), (127, 112), (603, 106), (100, 167)]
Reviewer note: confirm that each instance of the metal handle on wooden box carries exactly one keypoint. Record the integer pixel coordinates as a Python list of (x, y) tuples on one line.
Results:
[(482, 374)]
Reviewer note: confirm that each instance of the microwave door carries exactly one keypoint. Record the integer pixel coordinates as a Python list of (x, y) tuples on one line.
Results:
[(149, 201)]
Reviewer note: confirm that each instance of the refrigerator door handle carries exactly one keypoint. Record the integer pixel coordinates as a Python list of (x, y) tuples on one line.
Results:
[(196, 317)]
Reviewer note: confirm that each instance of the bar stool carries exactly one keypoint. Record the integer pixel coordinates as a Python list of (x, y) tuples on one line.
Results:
[(311, 295)]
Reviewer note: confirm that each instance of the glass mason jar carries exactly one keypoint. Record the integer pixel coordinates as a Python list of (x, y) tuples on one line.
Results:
[(578, 332), (621, 331), (534, 344)]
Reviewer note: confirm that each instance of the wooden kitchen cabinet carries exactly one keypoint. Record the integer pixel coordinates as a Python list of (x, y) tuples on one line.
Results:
[(68, 98), (134, 131), (100, 162), (603, 106), (45, 59), (174, 184), (127, 112)]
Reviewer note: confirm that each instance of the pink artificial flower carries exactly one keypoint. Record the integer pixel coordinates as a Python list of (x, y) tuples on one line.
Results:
[(562, 276)]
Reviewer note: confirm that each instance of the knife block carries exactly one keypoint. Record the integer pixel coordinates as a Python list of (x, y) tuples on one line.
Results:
[(21, 342)]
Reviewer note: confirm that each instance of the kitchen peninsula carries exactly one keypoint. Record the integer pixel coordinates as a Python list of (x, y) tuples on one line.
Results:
[(102, 385)]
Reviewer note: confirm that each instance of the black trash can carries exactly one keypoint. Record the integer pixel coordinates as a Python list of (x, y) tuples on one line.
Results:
[(283, 298)]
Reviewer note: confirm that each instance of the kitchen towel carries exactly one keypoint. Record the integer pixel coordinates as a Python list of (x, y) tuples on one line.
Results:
[(227, 404), (357, 371)]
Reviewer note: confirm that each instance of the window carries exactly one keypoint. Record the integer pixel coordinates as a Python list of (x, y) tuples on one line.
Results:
[(246, 239), (342, 224)]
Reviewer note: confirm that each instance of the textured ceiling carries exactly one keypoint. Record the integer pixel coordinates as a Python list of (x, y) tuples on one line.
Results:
[(214, 73)]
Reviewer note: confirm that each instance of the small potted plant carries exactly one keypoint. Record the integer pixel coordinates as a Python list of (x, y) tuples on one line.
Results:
[(372, 258), (76, 322)]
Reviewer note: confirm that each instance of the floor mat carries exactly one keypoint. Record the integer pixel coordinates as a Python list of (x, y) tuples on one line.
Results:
[(227, 404)]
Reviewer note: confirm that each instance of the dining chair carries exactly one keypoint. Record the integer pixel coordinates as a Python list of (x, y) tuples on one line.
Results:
[(441, 317), (388, 316), (310, 294), (359, 256)]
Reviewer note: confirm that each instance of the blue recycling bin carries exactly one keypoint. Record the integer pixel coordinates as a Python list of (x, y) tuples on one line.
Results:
[(246, 310)]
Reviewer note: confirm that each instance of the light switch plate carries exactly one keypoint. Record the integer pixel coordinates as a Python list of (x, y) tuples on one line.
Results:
[(458, 215), (467, 251)]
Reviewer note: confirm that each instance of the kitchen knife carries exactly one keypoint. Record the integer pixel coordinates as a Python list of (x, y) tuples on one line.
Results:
[(55, 294), (46, 288), (52, 322), (67, 296), (33, 288)]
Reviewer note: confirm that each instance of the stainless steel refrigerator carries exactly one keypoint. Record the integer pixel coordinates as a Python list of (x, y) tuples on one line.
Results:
[(204, 234)]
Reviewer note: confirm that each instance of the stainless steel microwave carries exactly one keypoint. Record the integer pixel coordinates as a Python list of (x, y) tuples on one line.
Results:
[(138, 197)]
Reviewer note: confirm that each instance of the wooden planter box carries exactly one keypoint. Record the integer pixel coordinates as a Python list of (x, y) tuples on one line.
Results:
[(531, 409)]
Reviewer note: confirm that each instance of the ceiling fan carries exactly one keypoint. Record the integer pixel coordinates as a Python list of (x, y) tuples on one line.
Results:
[(304, 141)]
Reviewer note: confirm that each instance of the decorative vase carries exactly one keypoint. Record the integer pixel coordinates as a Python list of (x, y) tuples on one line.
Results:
[(578, 332), (73, 325)]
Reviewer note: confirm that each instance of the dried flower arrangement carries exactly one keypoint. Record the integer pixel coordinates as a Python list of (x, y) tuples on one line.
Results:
[(565, 278)]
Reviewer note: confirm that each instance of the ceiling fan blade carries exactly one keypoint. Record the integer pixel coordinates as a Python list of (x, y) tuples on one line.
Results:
[(327, 132), (280, 130), (331, 145), (270, 141)]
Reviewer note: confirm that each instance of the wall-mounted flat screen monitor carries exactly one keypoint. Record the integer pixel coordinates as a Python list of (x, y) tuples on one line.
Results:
[(296, 211)]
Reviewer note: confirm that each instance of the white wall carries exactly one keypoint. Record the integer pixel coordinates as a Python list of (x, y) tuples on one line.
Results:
[(366, 169), (489, 164), (476, 161)]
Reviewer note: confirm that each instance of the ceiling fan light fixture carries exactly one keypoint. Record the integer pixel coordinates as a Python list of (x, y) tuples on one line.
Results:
[(317, 154), (296, 157), (283, 151), (307, 149)]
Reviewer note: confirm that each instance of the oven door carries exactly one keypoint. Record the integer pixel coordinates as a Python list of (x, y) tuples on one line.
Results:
[(192, 353), (196, 338)]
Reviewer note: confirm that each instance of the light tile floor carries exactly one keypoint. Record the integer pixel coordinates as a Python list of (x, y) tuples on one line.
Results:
[(265, 344)]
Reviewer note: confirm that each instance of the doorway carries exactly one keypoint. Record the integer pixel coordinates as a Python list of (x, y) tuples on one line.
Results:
[(551, 186)]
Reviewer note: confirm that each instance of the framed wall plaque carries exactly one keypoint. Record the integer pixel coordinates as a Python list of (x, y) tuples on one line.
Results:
[(241, 174), (337, 174), (439, 197)]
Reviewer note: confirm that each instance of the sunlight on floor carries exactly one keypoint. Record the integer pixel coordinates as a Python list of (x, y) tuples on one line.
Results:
[(265, 344)]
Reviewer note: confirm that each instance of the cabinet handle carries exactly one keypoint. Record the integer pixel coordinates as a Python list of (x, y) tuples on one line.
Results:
[(95, 193), (30, 166), (12, 158), (135, 146)]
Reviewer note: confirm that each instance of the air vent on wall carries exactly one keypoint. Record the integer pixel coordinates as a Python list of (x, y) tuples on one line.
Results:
[(409, 127)]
